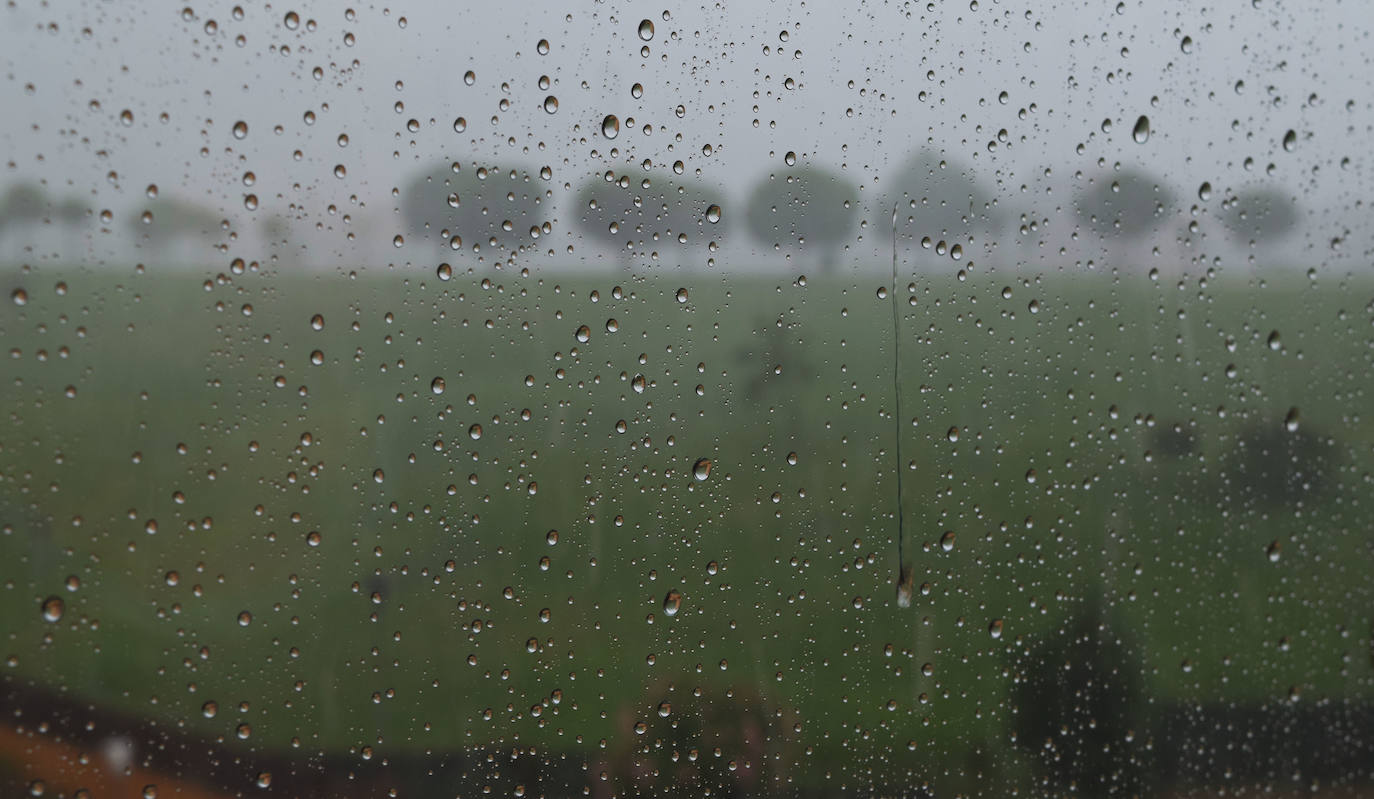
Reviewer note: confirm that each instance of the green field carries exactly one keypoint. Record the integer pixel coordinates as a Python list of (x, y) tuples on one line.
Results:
[(1192, 452)]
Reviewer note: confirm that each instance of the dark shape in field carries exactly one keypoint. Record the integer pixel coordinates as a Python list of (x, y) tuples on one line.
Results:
[(1078, 704), (1271, 465)]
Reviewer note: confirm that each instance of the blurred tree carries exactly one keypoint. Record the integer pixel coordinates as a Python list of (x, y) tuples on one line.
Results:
[(477, 208), (165, 221), (804, 207), (21, 203), (649, 216), (939, 198), (1124, 206), (1261, 216)]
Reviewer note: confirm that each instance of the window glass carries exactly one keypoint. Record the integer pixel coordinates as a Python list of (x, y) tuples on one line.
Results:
[(619, 399)]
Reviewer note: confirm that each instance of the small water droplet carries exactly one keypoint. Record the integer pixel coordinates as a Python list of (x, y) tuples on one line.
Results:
[(1275, 342), (475, 432), (995, 628), (1274, 550), (1204, 192), (1290, 141), (240, 129), (437, 385), (245, 618), (1141, 131), (317, 322), (947, 541), (469, 77), (1292, 420), (952, 434), (681, 295), (543, 47), (21, 297), (209, 709)]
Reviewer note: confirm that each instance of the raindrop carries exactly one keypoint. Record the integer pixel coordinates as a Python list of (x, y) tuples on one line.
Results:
[(1274, 341), (664, 710), (317, 322), (702, 469), (682, 295), (53, 608), (445, 272), (551, 104), (713, 214), (610, 126), (612, 326), (583, 334), (637, 91), (995, 628), (209, 709), (790, 159), (292, 21), (469, 77), (245, 618), (947, 541), (1291, 421), (646, 30), (1290, 141), (952, 435), (475, 432), (240, 129), (1275, 548), (672, 602), (1204, 192), (437, 385), (21, 297), (459, 125), (1141, 132), (543, 47)]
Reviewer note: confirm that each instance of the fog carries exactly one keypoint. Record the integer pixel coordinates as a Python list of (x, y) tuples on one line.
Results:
[(343, 107)]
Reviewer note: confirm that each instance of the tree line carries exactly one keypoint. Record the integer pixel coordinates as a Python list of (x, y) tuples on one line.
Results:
[(802, 210)]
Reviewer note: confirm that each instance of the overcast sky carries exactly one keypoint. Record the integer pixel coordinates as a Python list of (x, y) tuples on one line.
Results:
[(858, 90)]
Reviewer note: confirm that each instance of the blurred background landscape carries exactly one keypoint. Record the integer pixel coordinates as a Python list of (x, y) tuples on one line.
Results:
[(399, 401)]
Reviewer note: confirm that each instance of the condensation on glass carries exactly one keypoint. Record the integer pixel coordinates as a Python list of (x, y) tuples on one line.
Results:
[(618, 400)]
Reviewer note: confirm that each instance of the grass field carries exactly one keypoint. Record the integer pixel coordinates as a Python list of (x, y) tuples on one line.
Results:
[(294, 525)]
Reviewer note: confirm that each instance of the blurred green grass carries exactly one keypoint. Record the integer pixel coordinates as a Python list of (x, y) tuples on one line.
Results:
[(427, 534)]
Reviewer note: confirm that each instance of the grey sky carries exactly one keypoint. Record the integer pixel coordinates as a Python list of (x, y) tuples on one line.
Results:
[(873, 84)]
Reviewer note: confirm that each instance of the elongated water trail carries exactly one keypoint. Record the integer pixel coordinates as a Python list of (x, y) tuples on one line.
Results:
[(905, 572)]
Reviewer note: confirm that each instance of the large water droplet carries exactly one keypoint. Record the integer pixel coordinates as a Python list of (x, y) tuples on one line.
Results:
[(646, 29), (672, 602), (610, 126), (702, 468), (584, 334), (437, 385), (53, 608), (713, 214), (1141, 132), (551, 104), (1290, 141), (1292, 420)]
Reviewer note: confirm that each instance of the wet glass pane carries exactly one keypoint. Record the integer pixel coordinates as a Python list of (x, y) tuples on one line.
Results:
[(624, 400)]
